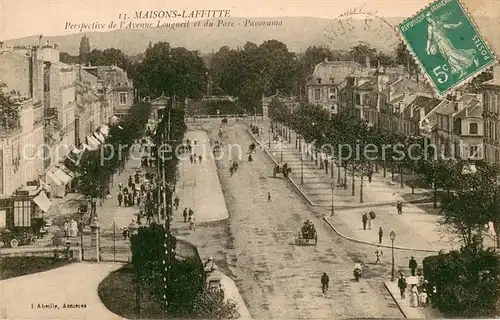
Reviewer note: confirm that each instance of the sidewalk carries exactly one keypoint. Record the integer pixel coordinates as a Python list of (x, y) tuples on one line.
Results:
[(415, 228), (76, 284), (407, 310)]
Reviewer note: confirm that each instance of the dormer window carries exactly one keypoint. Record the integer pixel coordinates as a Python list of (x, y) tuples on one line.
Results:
[(318, 80), (332, 80)]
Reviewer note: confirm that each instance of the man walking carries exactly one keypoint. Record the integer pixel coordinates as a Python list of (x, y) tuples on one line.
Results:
[(399, 206), (402, 285), (120, 199), (185, 214), (192, 225), (324, 283), (364, 219), (380, 235), (269, 197), (412, 264), (176, 202)]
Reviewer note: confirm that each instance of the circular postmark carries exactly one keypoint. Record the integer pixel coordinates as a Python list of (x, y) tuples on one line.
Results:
[(358, 25)]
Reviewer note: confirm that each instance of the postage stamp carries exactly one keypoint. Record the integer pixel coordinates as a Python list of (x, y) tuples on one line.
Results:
[(447, 45)]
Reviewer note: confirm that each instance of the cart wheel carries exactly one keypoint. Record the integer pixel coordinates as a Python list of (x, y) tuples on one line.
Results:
[(14, 243), (33, 240)]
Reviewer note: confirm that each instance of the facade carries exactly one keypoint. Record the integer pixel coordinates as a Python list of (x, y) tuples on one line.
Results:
[(469, 127), (491, 92), (119, 89), (290, 102), (91, 113), (327, 80)]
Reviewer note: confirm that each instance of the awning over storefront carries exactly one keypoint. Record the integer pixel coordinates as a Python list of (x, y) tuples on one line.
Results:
[(65, 169), (53, 179), (104, 129), (99, 137), (93, 143), (62, 176), (42, 201)]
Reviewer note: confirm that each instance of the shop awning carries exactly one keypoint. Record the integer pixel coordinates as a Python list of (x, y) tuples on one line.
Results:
[(66, 170), (99, 137), (104, 129), (42, 201), (53, 179), (93, 143), (62, 176), (86, 147)]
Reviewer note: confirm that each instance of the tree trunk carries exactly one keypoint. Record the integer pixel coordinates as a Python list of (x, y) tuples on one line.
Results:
[(316, 156), (353, 188), (385, 168), (402, 185), (435, 196), (361, 189), (345, 178), (412, 180), (496, 227), (392, 170)]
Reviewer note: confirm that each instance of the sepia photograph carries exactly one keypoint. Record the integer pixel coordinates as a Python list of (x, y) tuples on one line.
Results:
[(238, 159)]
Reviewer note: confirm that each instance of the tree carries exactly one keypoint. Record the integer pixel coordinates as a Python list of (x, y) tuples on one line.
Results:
[(362, 51), (468, 208), (404, 58), (210, 304), (84, 49), (172, 71)]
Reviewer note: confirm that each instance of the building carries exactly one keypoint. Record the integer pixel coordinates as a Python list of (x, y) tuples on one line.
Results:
[(415, 112), (290, 102), (491, 91), (118, 88), (327, 80), (469, 127), (22, 122)]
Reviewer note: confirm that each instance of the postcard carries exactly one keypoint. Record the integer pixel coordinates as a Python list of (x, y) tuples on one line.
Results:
[(249, 160)]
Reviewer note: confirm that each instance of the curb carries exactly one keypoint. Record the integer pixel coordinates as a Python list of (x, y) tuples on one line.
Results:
[(376, 244), (395, 301), (340, 208)]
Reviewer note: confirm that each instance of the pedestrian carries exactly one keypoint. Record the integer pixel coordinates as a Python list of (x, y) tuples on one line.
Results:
[(138, 200), (423, 298), (137, 178), (399, 206), (269, 197), (402, 285), (194, 158), (191, 158), (120, 199), (125, 190), (380, 235), (125, 233), (66, 228), (120, 186), (200, 158), (191, 212), (130, 200), (369, 222), (412, 264), (176, 202), (413, 296), (192, 225), (378, 254), (185, 214), (364, 219), (325, 280), (130, 181)]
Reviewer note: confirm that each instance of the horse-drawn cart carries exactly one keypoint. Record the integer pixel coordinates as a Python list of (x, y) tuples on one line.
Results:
[(307, 235), (284, 169)]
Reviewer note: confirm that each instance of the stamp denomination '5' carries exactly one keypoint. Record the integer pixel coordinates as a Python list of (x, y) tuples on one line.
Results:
[(446, 44)]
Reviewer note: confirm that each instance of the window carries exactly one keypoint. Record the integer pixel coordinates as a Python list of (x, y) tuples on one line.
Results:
[(473, 128), (332, 80), (358, 99), (366, 115), (473, 151), (318, 80), (123, 98), (332, 93), (317, 94)]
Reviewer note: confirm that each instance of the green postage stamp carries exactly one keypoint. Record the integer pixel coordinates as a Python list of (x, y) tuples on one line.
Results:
[(446, 44)]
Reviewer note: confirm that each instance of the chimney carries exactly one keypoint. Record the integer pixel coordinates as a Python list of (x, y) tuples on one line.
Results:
[(422, 113), (367, 62)]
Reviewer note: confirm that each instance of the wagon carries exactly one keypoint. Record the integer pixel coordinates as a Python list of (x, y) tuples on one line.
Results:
[(307, 237)]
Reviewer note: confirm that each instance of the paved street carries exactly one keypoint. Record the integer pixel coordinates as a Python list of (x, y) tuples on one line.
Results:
[(279, 279), (72, 284)]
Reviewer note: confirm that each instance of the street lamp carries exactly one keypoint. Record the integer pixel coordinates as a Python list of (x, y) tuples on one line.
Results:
[(301, 168), (333, 188), (269, 136), (392, 235), (281, 148)]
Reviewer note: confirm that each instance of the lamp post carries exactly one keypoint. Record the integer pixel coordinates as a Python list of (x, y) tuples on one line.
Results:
[(269, 136), (301, 168), (333, 188), (392, 235), (281, 149)]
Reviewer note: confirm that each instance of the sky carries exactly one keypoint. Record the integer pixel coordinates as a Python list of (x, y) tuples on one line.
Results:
[(22, 18)]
